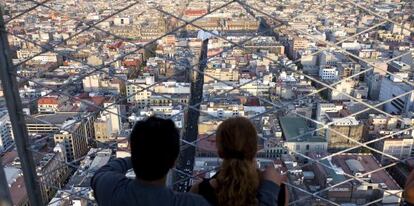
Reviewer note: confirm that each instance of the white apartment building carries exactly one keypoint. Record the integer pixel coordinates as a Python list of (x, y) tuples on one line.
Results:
[(171, 112), (397, 147), (108, 125), (90, 83), (172, 87), (255, 88), (47, 57), (136, 92), (227, 74), (328, 73), (27, 52), (393, 88), (95, 83), (323, 108), (223, 110), (113, 113)]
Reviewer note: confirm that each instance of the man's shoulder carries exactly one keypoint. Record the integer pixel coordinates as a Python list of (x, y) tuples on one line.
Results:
[(189, 196), (190, 199)]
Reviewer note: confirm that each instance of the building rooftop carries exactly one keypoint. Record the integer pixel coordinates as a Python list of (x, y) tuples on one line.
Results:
[(45, 160), (345, 121), (335, 173), (48, 100), (295, 130), (367, 163), (88, 167), (57, 118), (293, 126), (12, 174)]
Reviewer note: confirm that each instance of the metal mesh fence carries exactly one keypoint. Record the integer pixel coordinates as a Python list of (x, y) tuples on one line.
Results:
[(327, 84)]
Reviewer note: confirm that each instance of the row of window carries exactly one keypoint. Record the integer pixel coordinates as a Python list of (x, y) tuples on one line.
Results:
[(307, 147)]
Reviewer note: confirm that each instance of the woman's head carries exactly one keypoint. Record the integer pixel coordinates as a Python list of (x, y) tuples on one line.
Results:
[(236, 138), (238, 179)]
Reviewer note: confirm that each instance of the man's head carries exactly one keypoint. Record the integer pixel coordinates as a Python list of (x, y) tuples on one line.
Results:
[(155, 144)]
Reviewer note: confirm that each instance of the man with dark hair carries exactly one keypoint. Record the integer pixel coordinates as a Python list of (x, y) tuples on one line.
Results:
[(155, 145)]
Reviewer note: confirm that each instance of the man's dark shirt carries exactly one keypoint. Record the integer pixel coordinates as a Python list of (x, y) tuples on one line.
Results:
[(112, 187)]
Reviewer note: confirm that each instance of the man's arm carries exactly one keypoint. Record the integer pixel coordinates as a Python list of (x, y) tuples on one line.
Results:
[(110, 177)]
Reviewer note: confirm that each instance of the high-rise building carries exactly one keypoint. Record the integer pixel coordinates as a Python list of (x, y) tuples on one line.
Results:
[(102, 129), (74, 137), (391, 88), (399, 145), (113, 112), (108, 124), (345, 129), (6, 134), (52, 172)]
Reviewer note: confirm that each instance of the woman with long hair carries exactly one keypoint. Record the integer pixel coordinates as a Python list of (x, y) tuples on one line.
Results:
[(238, 181)]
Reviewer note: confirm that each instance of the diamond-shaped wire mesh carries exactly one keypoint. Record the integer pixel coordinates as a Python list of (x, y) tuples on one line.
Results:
[(327, 84)]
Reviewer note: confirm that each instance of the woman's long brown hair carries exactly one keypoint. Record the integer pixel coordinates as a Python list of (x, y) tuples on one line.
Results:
[(238, 178)]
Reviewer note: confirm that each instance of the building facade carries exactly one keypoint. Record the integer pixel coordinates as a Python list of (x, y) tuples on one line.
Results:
[(52, 172), (345, 129), (6, 134)]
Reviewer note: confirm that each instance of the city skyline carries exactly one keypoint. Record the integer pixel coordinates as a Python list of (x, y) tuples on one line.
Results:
[(328, 85)]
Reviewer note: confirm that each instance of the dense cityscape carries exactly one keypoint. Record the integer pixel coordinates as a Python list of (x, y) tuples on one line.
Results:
[(328, 85)]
